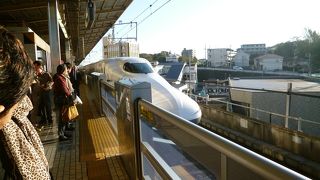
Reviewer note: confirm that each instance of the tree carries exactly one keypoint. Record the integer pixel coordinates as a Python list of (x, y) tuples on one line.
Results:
[(300, 50), (315, 57), (160, 57), (186, 59), (313, 49), (149, 57), (286, 50)]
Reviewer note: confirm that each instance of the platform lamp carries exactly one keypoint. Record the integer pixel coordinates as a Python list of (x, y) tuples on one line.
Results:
[(90, 14)]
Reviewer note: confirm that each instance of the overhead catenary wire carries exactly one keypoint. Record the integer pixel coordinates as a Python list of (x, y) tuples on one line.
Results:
[(154, 11), (145, 10), (139, 15), (146, 17)]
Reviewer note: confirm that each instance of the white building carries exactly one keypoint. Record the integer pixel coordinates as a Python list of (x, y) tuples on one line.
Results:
[(219, 57), (120, 49), (253, 49), (241, 59), (190, 75), (172, 58), (268, 62)]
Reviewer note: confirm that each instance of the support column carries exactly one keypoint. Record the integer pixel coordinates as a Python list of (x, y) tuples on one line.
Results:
[(68, 51), (81, 50), (54, 35), (288, 102)]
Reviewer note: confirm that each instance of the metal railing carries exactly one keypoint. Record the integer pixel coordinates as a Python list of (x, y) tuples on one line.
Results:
[(160, 137), (289, 118), (260, 114), (228, 150)]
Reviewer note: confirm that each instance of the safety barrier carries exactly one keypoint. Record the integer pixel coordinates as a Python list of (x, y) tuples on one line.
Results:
[(157, 144), (309, 127)]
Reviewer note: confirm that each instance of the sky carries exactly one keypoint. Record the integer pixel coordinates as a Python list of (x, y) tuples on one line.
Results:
[(172, 25)]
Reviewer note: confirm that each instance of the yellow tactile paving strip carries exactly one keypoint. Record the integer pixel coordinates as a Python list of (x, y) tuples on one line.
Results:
[(98, 145), (103, 141)]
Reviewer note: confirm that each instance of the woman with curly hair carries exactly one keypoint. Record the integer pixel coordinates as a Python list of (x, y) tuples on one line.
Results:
[(21, 151)]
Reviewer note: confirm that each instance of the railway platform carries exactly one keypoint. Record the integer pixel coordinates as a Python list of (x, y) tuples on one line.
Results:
[(91, 153)]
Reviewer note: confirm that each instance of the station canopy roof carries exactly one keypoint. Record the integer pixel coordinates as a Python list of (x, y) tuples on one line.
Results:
[(34, 14)]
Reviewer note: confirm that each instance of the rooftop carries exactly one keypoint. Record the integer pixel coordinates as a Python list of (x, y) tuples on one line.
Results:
[(298, 85)]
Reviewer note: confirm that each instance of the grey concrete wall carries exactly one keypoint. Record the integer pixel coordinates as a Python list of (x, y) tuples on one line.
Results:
[(289, 140), (307, 108)]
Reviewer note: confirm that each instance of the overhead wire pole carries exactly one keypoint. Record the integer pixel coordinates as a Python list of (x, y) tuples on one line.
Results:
[(136, 38), (148, 15), (140, 14), (136, 24)]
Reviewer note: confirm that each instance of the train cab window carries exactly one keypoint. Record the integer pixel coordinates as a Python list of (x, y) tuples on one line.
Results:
[(137, 68)]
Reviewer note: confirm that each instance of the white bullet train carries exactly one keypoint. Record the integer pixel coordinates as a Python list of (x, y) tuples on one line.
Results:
[(163, 94)]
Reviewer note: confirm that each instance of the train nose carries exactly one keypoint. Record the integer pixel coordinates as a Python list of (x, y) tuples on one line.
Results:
[(173, 100), (190, 110)]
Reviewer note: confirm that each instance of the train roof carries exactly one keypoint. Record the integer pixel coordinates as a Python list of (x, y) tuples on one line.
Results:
[(124, 59), (131, 59)]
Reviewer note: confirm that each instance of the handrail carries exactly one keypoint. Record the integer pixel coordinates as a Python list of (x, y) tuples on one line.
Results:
[(247, 158)]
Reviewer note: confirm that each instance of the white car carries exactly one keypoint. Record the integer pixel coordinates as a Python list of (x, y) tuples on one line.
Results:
[(237, 68)]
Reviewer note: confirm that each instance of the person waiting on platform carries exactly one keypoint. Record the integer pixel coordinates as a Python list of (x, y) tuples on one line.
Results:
[(41, 90), (21, 151), (69, 125), (62, 93), (74, 77)]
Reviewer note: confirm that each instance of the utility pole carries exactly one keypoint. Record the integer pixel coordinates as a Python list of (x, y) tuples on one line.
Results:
[(129, 23), (309, 65), (309, 62), (190, 75)]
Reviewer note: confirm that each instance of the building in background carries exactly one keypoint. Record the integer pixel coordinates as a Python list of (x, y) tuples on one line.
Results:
[(190, 76), (268, 62), (241, 59), (253, 49), (188, 53), (219, 57), (119, 49), (172, 58)]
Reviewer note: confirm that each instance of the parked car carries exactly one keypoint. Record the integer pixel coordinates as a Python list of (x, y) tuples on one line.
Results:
[(237, 68)]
